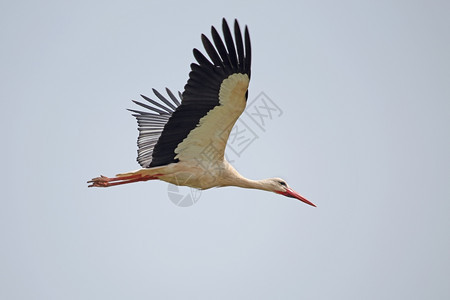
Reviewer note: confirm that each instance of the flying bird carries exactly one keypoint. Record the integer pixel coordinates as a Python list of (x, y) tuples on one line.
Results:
[(182, 140)]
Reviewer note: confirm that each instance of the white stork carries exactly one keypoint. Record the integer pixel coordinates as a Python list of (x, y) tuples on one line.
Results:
[(184, 144)]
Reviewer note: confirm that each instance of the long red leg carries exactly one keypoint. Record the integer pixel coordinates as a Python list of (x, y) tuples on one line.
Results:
[(104, 181)]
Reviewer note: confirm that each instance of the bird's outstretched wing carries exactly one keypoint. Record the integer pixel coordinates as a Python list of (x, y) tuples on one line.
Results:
[(151, 123), (213, 99)]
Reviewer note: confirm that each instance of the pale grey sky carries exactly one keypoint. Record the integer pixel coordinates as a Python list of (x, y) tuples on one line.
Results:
[(364, 87)]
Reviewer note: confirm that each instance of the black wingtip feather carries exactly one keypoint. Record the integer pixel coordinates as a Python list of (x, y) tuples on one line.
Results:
[(220, 47), (239, 45), (212, 53), (230, 43), (248, 52), (201, 59), (163, 99), (172, 97)]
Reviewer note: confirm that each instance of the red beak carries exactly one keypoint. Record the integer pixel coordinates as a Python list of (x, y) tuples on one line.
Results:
[(293, 194)]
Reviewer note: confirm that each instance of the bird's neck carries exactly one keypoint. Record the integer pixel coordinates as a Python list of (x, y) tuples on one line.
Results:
[(252, 184), (233, 178)]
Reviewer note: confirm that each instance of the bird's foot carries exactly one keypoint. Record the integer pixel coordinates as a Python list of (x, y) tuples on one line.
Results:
[(101, 181)]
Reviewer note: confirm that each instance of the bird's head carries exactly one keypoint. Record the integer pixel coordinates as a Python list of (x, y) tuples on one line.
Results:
[(280, 186)]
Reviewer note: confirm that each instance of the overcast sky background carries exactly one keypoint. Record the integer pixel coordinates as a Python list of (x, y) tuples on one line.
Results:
[(364, 87)]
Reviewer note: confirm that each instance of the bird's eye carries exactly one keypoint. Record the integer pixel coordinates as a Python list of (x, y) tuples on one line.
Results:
[(282, 183)]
